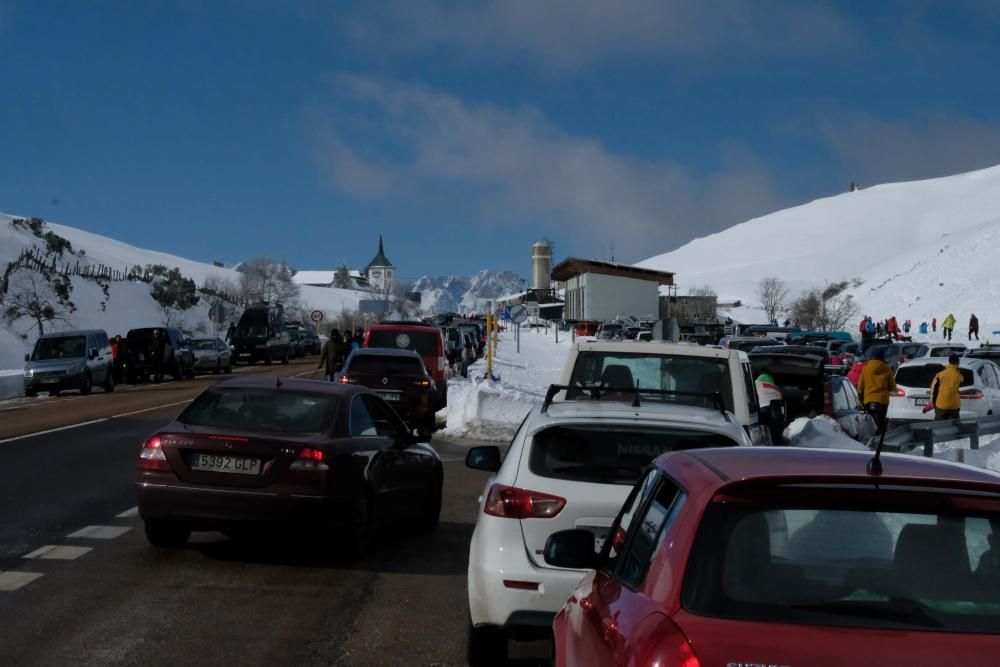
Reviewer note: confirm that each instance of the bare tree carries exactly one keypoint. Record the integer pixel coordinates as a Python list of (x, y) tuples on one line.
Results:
[(217, 284), (827, 309), (342, 278), (263, 280), (40, 298), (772, 293)]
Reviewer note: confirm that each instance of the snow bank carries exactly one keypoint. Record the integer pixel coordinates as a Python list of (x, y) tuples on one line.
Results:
[(484, 409), (820, 432)]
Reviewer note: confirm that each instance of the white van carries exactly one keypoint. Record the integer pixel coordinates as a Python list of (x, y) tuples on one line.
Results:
[(682, 372)]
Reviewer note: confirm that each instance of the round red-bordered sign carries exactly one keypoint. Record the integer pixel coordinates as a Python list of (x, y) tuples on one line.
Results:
[(316, 316)]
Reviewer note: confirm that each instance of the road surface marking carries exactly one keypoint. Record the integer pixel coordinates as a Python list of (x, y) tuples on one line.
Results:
[(128, 514), (156, 407), (11, 581), (57, 552), (53, 430), (101, 532)]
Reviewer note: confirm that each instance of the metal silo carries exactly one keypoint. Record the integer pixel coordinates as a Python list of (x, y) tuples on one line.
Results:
[(541, 265)]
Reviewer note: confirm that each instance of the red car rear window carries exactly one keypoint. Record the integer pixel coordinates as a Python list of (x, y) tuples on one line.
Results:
[(900, 565)]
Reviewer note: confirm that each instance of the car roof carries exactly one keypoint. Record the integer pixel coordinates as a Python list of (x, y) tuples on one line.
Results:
[(408, 326), (72, 332), (580, 411), (777, 463), (963, 362), (386, 352), (293, 384), (658, 347)]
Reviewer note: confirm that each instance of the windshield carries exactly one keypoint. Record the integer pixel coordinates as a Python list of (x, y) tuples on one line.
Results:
[(385, 366), (262, 410), (204, 344), (883, 565), (609, 455), (702, 376), (71, 347), (424, 343), (921, 376)]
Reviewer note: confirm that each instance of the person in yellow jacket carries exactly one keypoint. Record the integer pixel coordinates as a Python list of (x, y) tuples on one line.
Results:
[(947, 326), (877, 382), (944, 390)]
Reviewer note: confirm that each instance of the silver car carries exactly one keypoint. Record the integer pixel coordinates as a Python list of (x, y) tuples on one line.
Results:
[(211, 354), (69, 360)]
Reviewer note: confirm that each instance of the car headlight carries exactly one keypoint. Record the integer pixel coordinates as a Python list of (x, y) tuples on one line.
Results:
[(29, 373)]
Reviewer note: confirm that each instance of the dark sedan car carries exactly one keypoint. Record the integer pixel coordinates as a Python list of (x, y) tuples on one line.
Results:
[(398, 377), (332, 460)]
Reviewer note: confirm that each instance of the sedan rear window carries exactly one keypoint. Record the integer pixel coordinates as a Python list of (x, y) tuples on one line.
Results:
[(424, 343), (922, 375), (385, 366), (264, 410), (894, 566), (609, 455)]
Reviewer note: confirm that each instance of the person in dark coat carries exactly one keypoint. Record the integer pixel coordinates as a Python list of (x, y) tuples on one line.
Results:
[(333, 354), (231, 331), (973, 327), (157, 350)]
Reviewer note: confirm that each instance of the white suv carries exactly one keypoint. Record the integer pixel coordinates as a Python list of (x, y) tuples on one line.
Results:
[(980, 389), (676, 367), (570, 465)]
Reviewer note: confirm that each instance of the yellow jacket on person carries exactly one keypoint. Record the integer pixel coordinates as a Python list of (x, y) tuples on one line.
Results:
[(945, 387), (949, 322), (876, 382)]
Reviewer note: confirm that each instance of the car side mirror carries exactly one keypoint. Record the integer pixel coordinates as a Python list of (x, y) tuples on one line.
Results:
[(93, 353), (27, 357), (573, 549), (484, 458)]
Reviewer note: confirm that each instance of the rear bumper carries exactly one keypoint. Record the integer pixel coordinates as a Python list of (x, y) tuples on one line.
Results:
[(213, 508)]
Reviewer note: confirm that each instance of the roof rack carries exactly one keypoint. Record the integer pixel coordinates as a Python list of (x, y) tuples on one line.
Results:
[(596, 390)]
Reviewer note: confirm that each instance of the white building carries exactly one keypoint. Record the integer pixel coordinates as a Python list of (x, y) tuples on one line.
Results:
[(380, 272), (602, 291)]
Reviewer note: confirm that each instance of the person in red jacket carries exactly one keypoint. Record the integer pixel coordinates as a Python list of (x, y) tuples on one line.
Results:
[(934, 325)]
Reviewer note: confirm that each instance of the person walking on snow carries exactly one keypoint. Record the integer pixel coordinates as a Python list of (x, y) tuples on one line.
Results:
[(947, 326), (875, 385), (973, 327), (934, 325), (945, 395), (923, 328)]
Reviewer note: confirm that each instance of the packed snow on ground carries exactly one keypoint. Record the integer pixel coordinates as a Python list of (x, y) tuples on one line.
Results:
[(491, 410), (920, 249), (130, 304)]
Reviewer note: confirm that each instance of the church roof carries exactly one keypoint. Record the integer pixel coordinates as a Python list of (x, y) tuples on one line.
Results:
[(380, 261)]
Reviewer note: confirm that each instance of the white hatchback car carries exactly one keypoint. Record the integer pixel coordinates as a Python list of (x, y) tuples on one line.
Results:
[(980, 390), (570, 465)]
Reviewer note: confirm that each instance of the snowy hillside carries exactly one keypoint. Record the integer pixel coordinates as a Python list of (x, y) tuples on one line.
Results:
[(128, 304), (920, 250), (461, 294)]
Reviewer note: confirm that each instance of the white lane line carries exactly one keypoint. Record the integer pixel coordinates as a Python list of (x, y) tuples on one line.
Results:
[(101, 532), (128, 514), (57, 552), (53, 430), (156, 407), (11, 581)]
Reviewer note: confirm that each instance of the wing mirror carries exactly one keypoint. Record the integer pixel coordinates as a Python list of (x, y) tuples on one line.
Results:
[(484, 458), (572, 549), (93, 353), (27, 357)]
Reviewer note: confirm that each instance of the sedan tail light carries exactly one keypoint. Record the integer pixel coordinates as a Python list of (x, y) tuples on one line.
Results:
[(511, 502), (344, 379), (671, 647), (309, 460), (899, 391), (151, 456), (971, 394)]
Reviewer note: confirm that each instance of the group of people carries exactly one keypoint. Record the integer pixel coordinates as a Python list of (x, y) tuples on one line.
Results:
[(121, 353), (336, 350), (891, 328)]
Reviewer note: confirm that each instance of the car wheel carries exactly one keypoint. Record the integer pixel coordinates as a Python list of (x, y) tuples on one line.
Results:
[(109, 382), (267, 358), (229, 368), (284, 359), (430, 513), (487, 645), (166, 534), (178, 371), (31, 393), (86, 386), (358, 532), (218, 367)]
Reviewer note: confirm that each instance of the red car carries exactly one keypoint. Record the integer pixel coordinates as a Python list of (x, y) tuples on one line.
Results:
[(424, 339), (789, 557)]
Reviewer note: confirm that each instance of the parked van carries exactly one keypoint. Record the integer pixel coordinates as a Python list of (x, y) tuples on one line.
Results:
[(261, 336), (69, 360), (683, 372)]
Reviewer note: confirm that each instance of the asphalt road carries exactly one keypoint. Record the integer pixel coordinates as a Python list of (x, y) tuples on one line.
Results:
[(112, 599)]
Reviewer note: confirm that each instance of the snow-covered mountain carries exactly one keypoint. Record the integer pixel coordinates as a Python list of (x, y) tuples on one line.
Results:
[(466, 294), (919, 250)]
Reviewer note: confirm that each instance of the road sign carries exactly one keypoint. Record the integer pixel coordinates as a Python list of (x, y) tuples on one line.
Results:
[(316, 316), (506, 313), (518, 313)]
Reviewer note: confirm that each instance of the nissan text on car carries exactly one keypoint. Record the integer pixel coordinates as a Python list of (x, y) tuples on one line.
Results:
[(789, 556), (676, 367), (570, 465)]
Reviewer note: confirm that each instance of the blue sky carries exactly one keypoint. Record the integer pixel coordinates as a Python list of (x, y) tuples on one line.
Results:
[(463, 131)]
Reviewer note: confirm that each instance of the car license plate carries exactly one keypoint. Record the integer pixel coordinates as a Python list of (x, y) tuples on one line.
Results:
[(240, 465), (919, 402), (51, 381), (386, 396)]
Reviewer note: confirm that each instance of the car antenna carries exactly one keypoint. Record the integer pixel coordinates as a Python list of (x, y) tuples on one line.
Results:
[(875, 465), (635, 401)]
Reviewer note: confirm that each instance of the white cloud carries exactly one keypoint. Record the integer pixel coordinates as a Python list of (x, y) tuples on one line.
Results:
[(568, 34), (406, 145)]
